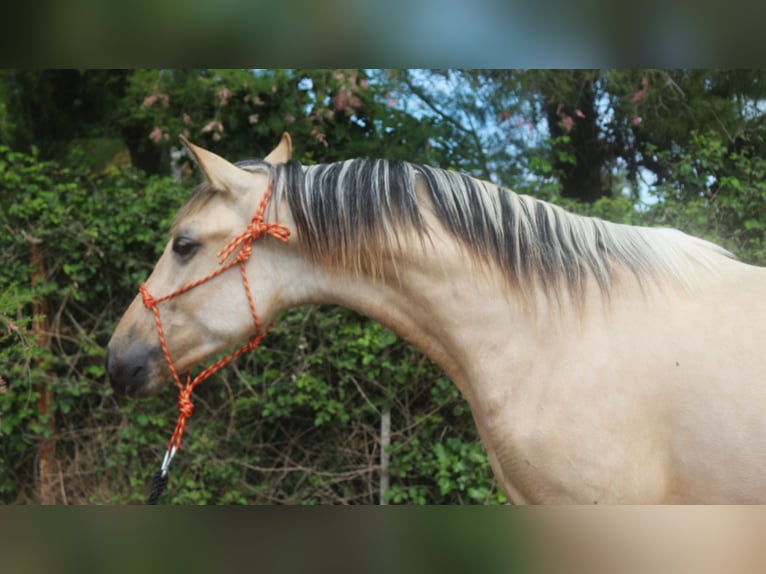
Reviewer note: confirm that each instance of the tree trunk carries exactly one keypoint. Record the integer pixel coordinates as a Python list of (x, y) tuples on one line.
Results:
[(578, 119), (46, 458)]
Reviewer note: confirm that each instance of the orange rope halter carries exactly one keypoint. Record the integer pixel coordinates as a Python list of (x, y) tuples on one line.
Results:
[(242, 244)]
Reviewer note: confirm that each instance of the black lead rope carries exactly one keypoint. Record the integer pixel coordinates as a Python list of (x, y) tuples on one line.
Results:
[(159, 482), (160, 478)]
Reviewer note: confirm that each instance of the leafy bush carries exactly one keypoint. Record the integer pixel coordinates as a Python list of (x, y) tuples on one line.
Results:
[(97, 236), (720, 195)]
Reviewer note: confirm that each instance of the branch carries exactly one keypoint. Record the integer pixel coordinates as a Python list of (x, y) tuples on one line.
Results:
[(417, 91)]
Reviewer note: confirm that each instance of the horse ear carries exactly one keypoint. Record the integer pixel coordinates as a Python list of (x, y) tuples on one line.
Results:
[(221, 174), (283, 152)]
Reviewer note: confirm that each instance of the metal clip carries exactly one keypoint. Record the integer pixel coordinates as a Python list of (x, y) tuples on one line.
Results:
[(169, 454)]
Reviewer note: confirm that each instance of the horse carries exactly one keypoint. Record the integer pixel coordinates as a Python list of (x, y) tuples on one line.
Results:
[(603, 363)]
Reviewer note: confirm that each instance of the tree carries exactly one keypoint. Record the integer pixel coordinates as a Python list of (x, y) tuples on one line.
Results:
[(598, 131)]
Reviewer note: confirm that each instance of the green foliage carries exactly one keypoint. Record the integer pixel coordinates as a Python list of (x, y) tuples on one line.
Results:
[(84, 224), (718, 194), (16, 407), (331, 114)]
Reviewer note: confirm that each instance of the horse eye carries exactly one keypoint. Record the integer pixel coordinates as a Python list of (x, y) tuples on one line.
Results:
[(183, 246)]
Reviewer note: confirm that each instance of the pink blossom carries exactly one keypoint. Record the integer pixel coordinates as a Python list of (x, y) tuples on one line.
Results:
[(156, 135), (321, 138), (643, 92), (253, 118), (149, 101), (208, 127), (579, 114), (340, 101), (216, 136), (636, 120), (567, 122), (223, 95), (186, 118), (364, 84)]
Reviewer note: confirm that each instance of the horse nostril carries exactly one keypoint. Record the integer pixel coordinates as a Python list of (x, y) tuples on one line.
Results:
[(128, 369)]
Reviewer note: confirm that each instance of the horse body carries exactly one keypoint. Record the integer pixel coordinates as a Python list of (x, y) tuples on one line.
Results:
[(654, 396), (648, 401), (618, 380)]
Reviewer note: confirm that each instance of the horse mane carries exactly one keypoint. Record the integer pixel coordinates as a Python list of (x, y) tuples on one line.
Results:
[(355, 215)]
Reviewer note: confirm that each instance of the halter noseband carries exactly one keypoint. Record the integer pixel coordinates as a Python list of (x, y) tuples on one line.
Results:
[(242, 244)]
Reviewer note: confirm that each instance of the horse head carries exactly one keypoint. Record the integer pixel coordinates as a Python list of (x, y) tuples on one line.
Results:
[(195, 290)]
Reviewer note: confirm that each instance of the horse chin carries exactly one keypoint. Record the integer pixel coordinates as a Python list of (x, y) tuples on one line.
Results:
[(150, 388)]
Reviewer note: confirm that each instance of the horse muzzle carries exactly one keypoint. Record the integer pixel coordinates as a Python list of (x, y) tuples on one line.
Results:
[(133, 369)]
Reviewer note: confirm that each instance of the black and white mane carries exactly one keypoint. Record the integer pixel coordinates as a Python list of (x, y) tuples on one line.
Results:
[(352, 214)]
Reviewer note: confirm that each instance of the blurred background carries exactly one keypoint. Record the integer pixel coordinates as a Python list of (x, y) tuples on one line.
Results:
[(92, 172)]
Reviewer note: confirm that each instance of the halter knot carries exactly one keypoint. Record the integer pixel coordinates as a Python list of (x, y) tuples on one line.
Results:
[(185, 405), (244, 252), (278, 231), (149, 301), (244, 241)]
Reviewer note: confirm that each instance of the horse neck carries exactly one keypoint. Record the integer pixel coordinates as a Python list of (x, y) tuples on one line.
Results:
[(437, 298)]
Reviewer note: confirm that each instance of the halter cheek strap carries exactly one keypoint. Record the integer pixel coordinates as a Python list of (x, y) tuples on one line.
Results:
[(242, 244)]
